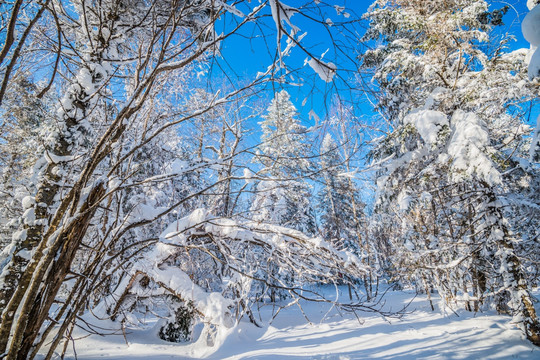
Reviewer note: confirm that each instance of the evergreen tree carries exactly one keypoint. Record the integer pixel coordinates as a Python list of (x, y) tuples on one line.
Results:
[(338, 199), (283, 198), (22, 131), (454, 135)]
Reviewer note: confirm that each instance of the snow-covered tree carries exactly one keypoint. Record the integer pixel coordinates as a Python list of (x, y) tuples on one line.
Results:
[(283, 197), (21, 130), (455, 140), (340, 206), (218, 139), (529, 27), (111, 170), (247, 253), (96, 108)]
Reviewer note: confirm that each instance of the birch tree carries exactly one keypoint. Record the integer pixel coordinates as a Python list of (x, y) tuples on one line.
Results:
[(118, 74)]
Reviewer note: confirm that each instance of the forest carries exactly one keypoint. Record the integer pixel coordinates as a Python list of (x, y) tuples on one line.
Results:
[(196, 161)]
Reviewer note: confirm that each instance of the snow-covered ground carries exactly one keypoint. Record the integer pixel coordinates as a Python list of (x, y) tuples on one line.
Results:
[(420, 334)]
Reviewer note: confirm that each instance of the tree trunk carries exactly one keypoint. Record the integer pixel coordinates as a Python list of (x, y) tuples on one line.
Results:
[(514, 280), (55, 277)]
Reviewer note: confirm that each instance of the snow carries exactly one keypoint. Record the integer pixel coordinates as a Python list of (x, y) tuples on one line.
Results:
[(145, 212), (230, 8), (428, 123), (202, 221), (313, 115), (531, 26), (282, 13), (28, 201), (349, 174), (339, 9), (55, 159), (197, 217), (534, 64), (5, 257), (25, 254), (404, 200), (419, 334), (20, 235), (468, 147), (326, 71), (178, 166), (213, 305), (248, 176), (29, 216), (531, 32)]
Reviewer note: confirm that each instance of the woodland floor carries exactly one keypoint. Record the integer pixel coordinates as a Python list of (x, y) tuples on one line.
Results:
[(419, 334)]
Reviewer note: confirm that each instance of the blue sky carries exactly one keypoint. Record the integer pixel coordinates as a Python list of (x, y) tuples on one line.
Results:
[(244, 56)]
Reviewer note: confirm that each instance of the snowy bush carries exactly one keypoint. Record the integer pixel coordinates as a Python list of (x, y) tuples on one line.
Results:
[(178, 328)]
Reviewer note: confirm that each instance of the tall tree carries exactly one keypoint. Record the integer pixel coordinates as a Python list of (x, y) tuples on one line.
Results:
[(283, 198), (339, 200), (88, 124), (454, 134), (111, 168)]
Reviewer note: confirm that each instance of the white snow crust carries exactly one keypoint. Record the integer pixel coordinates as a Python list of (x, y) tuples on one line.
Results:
[(468, 147), (534, 64), (28, 201), (326, 71), (331, 335), (428, 123), (531, 26)]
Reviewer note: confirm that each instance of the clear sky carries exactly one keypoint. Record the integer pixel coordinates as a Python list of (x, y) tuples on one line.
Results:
[(245, 56)]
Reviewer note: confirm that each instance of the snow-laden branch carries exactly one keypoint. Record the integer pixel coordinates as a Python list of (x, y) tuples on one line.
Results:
[(253, 256)]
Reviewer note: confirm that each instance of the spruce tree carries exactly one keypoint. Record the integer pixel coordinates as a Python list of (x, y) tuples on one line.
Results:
[(454, 146), (338, 199), (283, 198)]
